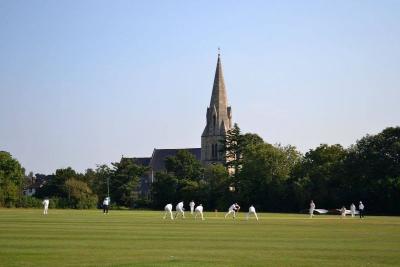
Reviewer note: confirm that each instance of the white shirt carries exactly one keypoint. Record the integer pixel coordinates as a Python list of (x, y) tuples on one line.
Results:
[(361, 206), (233, 207), (106, 201), (168, 207), (191, 204), (352, 207), (252, 209), (179, 206), (199, 208), (312, 205), (46, 202)]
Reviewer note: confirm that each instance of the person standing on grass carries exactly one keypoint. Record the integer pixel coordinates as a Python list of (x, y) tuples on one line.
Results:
[(312, 208), (233, 209), (180, 210), (106, 204), (353, 209), (168, 209), (343, 212), (191, 204), (361, 209), (199, 210), (252, 210), (45, 203)]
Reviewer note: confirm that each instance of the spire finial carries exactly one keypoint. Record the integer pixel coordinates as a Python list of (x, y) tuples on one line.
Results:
[(219, 51)]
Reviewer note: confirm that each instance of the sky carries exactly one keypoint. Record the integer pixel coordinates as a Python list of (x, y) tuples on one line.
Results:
[(84, 82)]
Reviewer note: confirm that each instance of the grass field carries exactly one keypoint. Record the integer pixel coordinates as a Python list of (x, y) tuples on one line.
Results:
[(142, 238)]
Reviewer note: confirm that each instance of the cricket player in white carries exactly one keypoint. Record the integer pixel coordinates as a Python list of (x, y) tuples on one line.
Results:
[(106, 204), (232, 209), (199, 210), (343, 212), (252, 210), (361, 209), (179, 210), (312, 208), (353, 209), (191, 204), (168, 209), (45, 205)]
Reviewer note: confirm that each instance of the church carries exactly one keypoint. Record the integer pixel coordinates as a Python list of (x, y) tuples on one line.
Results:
[(219, 121)]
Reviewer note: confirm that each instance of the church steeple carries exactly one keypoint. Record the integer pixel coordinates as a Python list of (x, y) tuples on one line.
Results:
[(218, 119), (218, 97)]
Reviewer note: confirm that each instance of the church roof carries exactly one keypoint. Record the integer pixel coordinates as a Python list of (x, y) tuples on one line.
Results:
[(157, 162), (142, 161), (145, 161)]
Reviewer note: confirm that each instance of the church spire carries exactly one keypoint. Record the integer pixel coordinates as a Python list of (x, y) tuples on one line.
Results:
[(219, 117), (218, 97)]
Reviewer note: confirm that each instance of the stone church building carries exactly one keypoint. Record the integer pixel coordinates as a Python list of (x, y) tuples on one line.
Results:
[(219, 121)]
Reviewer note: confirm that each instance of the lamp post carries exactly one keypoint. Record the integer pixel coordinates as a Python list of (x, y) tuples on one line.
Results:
[(108, 186)]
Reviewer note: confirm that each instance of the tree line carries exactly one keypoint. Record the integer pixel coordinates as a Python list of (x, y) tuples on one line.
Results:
[(271, 177)]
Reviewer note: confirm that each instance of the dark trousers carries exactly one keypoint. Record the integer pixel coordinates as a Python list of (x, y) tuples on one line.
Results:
[(361, 213), (105, 208)]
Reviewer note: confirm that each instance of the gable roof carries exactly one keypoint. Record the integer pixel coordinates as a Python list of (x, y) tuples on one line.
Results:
[(139, 161), (142, 161), (157, 162)]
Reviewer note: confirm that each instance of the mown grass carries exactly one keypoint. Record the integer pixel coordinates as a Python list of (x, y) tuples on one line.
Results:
[(143, 238)]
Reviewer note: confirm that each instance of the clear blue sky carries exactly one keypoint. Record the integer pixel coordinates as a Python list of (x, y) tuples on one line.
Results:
[(83, 82)]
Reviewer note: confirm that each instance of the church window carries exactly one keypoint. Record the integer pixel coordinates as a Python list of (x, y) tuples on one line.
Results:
[(214, 120), (214, 151)]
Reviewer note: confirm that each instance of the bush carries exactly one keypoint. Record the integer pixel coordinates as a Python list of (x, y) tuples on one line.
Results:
[(87, 203), (28, 202), (142, 204), (59, 203)]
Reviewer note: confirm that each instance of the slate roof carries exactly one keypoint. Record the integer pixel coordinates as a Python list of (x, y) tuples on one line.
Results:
[(138, 161), (157, 162), (142, 161)]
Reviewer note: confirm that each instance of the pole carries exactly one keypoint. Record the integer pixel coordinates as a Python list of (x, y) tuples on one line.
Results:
[(108, 186)]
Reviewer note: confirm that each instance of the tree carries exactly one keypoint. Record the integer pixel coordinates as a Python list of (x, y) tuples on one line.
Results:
[(97, 180), (11, 179), (187, 172), (232, 148), (373, 169), (79, 194), (321, 176), (125, 182), (55, 187), (164, 190), (251, 139), (265, 172), (184, 166), (215, 189)]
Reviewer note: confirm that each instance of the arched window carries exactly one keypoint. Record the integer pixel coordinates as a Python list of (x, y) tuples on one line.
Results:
[(214, 120), (214, 151)]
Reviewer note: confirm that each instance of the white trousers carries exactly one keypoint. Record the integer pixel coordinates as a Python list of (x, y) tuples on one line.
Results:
[(181, 212), (201, 214), (251, 212), (311, 212), (166, 212), (46, 209), (191, 210), (229, 212)]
